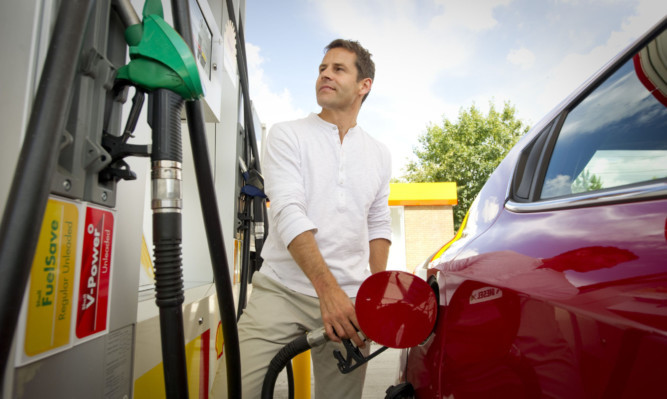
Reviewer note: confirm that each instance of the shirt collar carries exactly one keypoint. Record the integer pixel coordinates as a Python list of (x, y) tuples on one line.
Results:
[(327, 126)]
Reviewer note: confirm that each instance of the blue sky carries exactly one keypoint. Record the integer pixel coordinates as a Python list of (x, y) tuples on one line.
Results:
[(435, 57)]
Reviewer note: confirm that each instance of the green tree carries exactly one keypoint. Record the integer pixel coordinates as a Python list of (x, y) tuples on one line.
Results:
[(465, 152), (587, 181)]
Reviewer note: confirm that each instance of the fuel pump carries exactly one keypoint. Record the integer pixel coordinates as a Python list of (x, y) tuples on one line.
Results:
[(252, 224), (163, 62), (73, 157)]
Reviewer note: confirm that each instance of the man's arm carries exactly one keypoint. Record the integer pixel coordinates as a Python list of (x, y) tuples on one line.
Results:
[(379, 249), (379, 220), (338, 315)]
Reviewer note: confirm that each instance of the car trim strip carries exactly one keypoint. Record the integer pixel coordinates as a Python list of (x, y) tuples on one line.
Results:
[(630, 194)]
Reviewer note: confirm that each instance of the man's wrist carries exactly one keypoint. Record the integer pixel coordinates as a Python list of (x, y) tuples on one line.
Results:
[(323, 281)]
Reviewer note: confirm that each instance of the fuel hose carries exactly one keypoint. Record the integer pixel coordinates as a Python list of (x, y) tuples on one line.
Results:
[(286, 354), (166, 159), (209, 205)]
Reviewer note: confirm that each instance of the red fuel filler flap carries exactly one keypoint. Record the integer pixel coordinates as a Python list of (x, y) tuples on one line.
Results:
[(396, 309)]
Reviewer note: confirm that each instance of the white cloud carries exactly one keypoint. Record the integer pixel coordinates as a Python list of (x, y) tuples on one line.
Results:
[(271, 106), (521, 57), (559, 185), (574, 69), (476, 16)]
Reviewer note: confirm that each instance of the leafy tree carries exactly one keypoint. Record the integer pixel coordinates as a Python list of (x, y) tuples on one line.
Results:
[(465, 152), (587, 181)]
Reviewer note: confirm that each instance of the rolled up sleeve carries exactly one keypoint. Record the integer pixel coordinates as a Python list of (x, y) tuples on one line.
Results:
[(379, 216), (284, 184)]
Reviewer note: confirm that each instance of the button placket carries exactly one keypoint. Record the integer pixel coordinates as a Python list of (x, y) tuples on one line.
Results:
[(341, 176)]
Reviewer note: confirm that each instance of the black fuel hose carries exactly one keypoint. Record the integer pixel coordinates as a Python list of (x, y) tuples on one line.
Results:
[(166, 158), (279, 362), (209, 205), (286, 354), (216, 247)]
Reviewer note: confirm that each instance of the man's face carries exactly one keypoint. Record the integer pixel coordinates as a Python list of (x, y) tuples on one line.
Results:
[(337, 87)]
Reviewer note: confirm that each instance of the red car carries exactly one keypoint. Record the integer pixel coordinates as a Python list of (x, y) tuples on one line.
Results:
[(556, 284)]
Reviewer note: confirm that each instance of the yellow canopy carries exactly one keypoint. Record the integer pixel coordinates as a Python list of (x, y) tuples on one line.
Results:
[(411, 194)]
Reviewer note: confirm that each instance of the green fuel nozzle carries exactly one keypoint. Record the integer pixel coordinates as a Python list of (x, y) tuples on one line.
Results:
[(160, 58)]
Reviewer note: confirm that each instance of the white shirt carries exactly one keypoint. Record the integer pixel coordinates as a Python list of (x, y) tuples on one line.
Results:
[(339, 191)]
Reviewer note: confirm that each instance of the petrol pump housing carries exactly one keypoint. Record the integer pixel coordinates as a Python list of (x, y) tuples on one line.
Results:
[(88, 325)]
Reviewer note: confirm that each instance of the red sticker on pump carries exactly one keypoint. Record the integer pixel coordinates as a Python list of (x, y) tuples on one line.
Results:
[(95, 272)]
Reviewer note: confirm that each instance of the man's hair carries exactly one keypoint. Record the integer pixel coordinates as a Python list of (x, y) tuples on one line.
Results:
[(364, 63)]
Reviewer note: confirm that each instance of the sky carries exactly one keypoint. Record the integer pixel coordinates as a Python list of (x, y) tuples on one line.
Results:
[(436, 57)]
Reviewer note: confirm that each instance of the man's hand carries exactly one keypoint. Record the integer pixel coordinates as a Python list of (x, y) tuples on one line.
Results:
[(338, 315)]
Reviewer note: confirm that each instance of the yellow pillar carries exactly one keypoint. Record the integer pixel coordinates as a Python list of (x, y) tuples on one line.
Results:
[(301, 370)]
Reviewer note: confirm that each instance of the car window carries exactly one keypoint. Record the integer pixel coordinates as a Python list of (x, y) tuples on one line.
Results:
[(617, 135)]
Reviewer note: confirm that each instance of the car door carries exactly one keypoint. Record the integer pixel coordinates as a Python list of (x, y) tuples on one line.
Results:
[(580, 245)]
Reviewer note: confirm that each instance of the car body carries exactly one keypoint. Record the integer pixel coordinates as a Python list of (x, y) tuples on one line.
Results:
[(556, 283)]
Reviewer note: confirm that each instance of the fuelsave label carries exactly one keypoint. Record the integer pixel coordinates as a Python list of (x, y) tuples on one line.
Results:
[(49, 305), (93, 306)]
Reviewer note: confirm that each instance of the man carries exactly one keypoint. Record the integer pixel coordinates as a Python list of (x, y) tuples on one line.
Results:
[(328, 182)]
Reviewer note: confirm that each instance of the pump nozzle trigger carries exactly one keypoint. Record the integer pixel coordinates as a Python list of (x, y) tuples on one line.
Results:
[(354, 357)]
